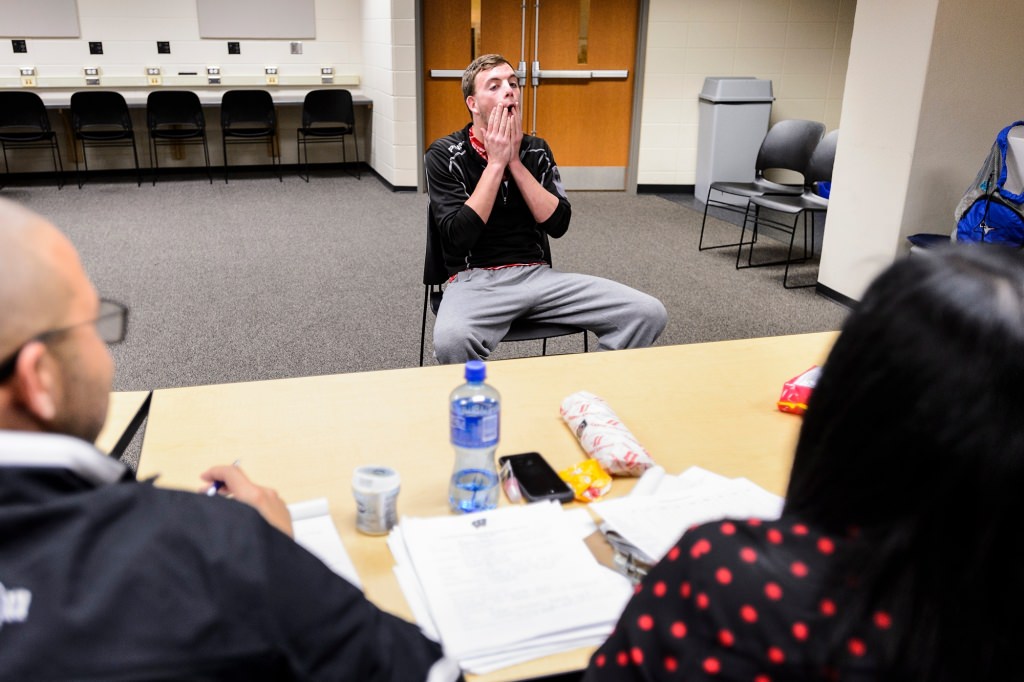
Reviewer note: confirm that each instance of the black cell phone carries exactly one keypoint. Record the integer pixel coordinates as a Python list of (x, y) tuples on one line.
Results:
[(537, 480)]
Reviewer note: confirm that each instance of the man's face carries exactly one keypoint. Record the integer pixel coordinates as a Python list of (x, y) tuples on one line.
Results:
[(497, 87), (85, 367)]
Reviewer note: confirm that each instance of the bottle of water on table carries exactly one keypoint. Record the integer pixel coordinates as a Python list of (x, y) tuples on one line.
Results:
[(475, 420)]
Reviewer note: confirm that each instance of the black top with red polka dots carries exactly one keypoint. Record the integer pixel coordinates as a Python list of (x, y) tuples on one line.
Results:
[(741, 600)]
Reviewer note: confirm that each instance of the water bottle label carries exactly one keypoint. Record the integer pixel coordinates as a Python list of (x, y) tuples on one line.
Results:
[(474, 431)]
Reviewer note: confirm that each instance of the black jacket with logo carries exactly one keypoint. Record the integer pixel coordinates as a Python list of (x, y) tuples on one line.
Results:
[(104, 578), (511, 235)]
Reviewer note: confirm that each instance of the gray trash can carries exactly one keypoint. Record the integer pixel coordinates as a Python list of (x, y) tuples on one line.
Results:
[(733, 120)]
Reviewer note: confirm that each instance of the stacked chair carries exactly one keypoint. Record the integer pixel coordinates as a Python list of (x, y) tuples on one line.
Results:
[(787, 146), (805, 206)]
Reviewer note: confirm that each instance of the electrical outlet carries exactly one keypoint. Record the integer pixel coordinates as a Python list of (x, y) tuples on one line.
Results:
[(20, 46), (155, 80), (163, 47), (271, 79), (296, 47), (234, 47), (28, 81)]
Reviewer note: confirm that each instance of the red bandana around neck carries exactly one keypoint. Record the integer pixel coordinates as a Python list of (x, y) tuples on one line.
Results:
[(478, 146)]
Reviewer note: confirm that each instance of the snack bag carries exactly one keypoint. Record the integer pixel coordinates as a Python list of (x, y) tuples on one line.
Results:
[(587, 480), (797, 391), (603, 436)]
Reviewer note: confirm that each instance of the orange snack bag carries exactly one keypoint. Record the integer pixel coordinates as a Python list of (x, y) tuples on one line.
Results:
[(587, 480), (797, 391)]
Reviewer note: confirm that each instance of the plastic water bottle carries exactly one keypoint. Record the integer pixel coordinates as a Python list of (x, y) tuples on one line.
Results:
[(475, 420)]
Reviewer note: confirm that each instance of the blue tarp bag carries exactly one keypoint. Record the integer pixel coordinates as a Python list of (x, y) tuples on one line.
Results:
[(988, 212)]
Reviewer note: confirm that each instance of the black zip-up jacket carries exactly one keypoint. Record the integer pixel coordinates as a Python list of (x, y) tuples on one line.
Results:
[(104, 578), (511, 235)]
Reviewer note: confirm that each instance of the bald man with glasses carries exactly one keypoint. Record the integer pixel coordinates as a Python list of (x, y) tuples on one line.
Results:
[(102, 577)]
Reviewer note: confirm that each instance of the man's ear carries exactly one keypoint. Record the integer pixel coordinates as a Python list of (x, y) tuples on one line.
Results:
[(471, 104), (35, 381)]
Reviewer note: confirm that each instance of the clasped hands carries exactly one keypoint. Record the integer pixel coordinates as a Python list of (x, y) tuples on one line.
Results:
[(503, 135)]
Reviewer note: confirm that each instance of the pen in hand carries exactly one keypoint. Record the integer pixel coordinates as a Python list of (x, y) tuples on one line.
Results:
[(217, 485)]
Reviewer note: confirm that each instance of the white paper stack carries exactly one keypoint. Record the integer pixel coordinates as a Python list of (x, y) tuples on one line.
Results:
[(662, 507), (506, 586)]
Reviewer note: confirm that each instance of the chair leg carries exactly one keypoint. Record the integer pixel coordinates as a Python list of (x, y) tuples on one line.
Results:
[(224, 148), (135, 155), (586, 342), (355, 142), (298, 157), (789, 255), (743, 232), (7, 168), (85, 162), (807, 256), (700, 242), (275, 146), (423, 328), (543, 346), (206, 156), (704, 220), (154, 160), (58, 164)]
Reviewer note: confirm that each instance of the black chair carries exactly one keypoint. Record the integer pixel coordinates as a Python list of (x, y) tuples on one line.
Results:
[(787, 146), (806, 206), (435, 274), (24, 124), (327, 116), (248, 116), (175, 117), (100, 118)]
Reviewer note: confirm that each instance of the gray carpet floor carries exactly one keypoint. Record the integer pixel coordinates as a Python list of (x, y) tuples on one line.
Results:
[(259, 279)]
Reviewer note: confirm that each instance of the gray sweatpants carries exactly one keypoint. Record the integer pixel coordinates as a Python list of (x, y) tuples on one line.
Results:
[(479, 305)]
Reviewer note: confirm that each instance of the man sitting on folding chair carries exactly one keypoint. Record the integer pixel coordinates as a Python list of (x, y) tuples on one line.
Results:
[(495, 193)]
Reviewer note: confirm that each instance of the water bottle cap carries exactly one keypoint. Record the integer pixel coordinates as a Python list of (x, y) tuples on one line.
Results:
[(375, 478), (476, 370)]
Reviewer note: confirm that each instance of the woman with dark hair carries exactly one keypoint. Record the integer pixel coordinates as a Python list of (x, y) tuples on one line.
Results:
[(896, 556)]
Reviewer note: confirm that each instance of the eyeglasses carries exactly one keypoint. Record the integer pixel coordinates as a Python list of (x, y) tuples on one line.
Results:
[(111, 325)]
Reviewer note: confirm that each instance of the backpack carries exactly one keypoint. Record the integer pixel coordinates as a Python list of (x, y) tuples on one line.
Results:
[(988, 212)]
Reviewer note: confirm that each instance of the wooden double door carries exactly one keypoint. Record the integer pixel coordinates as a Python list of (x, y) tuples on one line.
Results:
[(576, 63)]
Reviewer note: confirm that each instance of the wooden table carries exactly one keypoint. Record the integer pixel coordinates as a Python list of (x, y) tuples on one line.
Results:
[(124, 416), (711, 405)]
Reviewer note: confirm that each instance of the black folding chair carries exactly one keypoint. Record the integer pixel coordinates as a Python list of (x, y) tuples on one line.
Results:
[(327, 116), (248, 116), (175, 117), (100, 118), (24, 124)]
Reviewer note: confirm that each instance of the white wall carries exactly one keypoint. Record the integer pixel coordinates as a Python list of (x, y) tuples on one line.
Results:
[(370, 43), (929, 85), (129, 30), (389, 79), (801, 45)]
